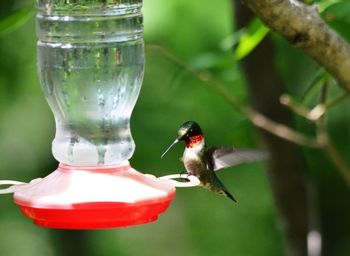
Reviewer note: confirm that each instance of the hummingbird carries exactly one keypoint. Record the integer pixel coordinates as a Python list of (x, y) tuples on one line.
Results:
[(202, 161)]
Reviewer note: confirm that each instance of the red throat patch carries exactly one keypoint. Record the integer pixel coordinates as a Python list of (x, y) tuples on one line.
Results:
[(194, 140)]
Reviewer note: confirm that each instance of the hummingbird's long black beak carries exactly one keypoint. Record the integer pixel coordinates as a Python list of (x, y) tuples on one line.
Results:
[(172, 144)]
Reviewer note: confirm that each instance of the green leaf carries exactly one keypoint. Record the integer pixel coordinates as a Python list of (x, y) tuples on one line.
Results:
[(338, 17), (337, 11), (15, 20), (324, 4), (253, 34)]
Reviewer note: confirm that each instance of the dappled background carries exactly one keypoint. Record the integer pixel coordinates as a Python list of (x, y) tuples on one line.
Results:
[(200, 35)]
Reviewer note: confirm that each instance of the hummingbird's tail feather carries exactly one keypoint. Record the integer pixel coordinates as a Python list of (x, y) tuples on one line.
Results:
[(217, 186), (230, 196)]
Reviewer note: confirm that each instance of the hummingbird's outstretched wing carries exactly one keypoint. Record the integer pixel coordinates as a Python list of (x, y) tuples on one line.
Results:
[(223, 157)]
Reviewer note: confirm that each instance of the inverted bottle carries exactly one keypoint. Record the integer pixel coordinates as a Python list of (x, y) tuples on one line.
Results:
[(91, 64)]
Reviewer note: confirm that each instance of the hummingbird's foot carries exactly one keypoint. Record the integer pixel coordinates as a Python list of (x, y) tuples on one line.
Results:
[(175, 179), (184, 172)]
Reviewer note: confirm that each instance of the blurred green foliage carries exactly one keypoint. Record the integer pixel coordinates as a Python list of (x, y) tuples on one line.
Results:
[(337, 16), (15, 20), (198, 222), (252, 35)]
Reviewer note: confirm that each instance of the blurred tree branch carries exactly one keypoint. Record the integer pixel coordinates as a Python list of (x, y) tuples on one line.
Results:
[(317, 116), (302, 25), (258, 119)]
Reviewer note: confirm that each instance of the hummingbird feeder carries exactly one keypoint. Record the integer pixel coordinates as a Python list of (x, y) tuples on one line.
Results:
[(91, 64)]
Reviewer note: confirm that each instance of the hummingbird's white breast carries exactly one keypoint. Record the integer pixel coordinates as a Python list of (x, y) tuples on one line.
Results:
[(193, 158)]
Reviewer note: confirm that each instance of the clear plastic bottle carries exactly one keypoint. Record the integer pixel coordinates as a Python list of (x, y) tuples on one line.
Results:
[(91, 63)]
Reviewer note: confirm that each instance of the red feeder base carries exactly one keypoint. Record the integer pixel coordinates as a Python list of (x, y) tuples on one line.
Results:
[(49, 204), (96, 216)]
